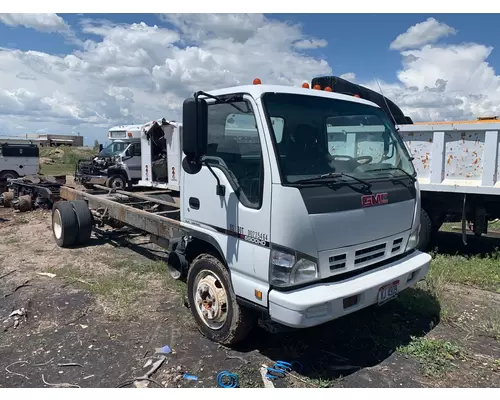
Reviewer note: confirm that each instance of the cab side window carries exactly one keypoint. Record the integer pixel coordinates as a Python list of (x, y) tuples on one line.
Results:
[(234, 147)]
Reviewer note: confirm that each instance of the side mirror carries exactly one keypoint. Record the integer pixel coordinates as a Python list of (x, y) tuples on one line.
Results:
[(194, 133)]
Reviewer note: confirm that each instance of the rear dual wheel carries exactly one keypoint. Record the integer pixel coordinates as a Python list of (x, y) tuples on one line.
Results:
[(71, 223)]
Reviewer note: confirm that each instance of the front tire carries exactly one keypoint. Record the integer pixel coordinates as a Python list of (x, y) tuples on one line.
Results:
[(213, 303), (426, 231), (116, 182)]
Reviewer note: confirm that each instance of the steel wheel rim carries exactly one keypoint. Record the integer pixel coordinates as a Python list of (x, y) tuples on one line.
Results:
[(57, 225), (210, 299)]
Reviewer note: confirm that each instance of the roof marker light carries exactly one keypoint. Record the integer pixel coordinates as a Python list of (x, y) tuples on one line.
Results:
[(317, 87), (328, 89), (305, 85), (257, 81)]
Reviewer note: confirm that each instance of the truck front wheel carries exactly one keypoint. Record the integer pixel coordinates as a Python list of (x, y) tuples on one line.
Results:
[(426, 231), (213, 303), (116, 182)]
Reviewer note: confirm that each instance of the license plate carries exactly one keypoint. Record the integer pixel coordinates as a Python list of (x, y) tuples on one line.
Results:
[(387, 292)]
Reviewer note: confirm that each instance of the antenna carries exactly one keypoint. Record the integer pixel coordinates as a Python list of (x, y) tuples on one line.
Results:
[(385, 101)]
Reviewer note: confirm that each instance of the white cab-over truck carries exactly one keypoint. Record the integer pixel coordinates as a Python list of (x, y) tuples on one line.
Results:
[(118, 164), (267, 223)]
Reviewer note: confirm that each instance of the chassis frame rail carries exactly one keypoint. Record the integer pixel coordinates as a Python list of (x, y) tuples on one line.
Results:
[(147, 221)]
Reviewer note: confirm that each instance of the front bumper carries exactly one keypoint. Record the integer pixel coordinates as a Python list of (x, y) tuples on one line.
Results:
[(323, 302), (90, 179)]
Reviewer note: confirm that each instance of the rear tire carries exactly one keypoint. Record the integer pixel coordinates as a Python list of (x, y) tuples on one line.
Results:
[(208, 279), (84, 219), (9, 175), (64, 224)]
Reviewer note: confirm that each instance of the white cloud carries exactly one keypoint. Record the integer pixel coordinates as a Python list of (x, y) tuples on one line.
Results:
[(308, 44), (41, 22), (349, 76), (130, 73), (422, 33)]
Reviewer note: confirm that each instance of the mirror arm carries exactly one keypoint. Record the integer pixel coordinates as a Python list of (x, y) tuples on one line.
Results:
[(220, 189)]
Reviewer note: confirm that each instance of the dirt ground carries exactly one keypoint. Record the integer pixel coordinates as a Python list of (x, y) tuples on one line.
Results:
[(98, 321)]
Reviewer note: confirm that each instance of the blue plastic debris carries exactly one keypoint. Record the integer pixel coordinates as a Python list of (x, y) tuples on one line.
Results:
[(190, 377), (163, 350)]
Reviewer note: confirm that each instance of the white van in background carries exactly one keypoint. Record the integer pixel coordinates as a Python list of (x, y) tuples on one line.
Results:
[(18, 160)]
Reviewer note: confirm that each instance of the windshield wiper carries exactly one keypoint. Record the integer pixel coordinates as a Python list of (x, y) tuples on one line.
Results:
[(333, 175), (395, 168)]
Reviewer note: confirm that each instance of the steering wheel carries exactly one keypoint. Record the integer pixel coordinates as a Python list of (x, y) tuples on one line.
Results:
[(368, 159), (335, 156)]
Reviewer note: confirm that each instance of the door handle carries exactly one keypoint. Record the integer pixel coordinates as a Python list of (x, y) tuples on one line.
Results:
[(194, 203)]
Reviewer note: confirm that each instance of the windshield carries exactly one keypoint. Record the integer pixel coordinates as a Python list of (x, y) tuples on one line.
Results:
[(113, 149), (318, 135)]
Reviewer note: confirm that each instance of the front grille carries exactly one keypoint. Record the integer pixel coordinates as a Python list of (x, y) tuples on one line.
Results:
[(369, 253), (337, 262), (396, 245)]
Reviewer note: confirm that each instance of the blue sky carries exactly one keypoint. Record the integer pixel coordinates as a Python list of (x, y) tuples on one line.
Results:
[(142, 72)]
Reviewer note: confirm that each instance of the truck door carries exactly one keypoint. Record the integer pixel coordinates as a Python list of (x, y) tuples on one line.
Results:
[(239, 219), (134, 163)]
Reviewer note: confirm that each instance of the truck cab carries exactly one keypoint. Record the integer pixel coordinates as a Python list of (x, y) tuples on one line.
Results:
[(309, 199), (118, 164)]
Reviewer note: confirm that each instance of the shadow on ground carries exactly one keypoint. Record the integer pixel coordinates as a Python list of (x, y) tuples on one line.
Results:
[(450, 243), (360, 340)]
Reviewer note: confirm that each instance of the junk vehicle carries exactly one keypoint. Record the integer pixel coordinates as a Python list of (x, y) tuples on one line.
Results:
[(17, 160), (118, 164), (268, 225), (457, 164)]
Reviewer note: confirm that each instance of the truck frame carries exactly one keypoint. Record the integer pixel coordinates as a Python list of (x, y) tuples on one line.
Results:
[(254, 236)]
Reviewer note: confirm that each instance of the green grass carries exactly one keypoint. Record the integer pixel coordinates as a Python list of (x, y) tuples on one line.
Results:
[(120, 288), (436, 356), (482, 272), (158, 268), (64, 159)]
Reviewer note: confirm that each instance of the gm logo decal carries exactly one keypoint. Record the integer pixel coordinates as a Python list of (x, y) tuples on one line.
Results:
[(374, 199)]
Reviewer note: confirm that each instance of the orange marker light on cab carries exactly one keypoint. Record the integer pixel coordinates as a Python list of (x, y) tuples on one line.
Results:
[(328, 89), (317, 87), (305, 85), (257, 81)]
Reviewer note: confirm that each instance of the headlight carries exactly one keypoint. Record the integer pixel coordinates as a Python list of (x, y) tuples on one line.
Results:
[(289, 269), (413, 239)]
